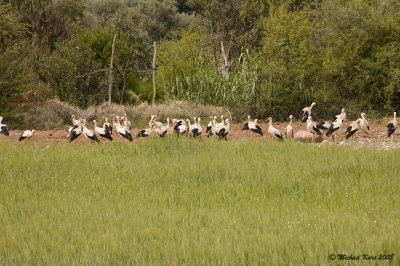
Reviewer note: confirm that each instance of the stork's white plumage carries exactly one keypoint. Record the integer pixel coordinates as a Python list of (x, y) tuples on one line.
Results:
[(75, 132), (3, 128), (122, 131), (144, 133), (336, 123), (199, 128), (179, 127), (352, 128), (162, 129), (219, 124), (88, 133), (155, 122), (324, 125), (306, 112), (27, 134), (194, 128), (252, 126), (312, 127), (275, 133), (74, 121), (209, 125), (391, 126), (108, 126), (127, 123), (147, 131), (190, 126), (364, 125), (102, 131), (223, 131), (177, 123), (289, 128)]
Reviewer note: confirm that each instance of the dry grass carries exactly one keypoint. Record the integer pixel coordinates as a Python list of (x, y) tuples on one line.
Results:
[(56, 114)]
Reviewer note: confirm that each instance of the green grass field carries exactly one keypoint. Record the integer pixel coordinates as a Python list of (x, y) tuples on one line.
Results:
[(196, 202)]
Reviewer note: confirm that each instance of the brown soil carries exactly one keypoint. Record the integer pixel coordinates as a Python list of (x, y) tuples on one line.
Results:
[(376, 138)]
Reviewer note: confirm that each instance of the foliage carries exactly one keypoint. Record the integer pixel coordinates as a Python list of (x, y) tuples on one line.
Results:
[(196, 202), (61, 71), (283, 55)]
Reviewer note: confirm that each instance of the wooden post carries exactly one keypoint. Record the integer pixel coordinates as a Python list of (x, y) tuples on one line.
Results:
[(154, 73), (111, 70), (226, 67)]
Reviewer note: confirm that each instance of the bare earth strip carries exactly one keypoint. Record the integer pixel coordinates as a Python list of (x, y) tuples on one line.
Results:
[(376, 138)]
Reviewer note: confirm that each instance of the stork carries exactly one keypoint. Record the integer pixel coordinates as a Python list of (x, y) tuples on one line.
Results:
[(364, 125), (336, 123), (275, 133), (162, 129), (210, 124), (391, 126), (193, 128), (76, 131), (108, 126), (199, 128), (324, 125), (147, 131), (122, 131), (102, 131), (127, 123), (88, 133), (311, 126), (27, 134), (306, 112), (252, 126), (223, 131), (289, 128), (3, 128), (180, 127), (352, 128)]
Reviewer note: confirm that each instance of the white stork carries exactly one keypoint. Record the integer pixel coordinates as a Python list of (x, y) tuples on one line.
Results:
[(102, 131), (27, 134), (199, 128), (391, 126), (311, 126), (289, 128), (177, 123), (324, 125), (336, 123), (275, 133), (223, 131), (162, 129), (122, 131), (193, 128), (127, 123), (210, 124), (252, 126), (219, 124), (306, 112), (75, 123), (364, 125), (147, 131), (75, 132), (108, 126), (3, 128), (352, 128), (180, 127), (88, 133)]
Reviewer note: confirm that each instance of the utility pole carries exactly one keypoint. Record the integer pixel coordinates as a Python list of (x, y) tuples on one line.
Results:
[(154, 73), (111, 70)]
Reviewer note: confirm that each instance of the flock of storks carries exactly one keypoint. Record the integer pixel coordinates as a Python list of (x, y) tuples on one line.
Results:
[(122, 126)]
